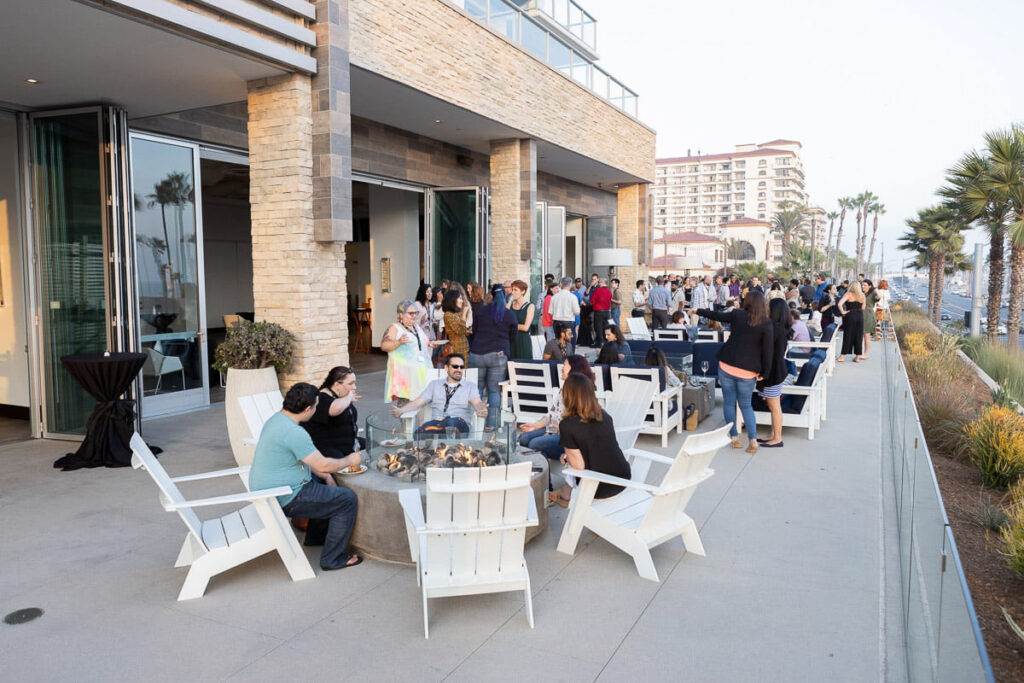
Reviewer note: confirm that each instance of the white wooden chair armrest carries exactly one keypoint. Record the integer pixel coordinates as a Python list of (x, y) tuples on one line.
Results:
[(453, 531), (609, 479), (409, 499), (248, 496), (800, 391), (211, 475), (473, 487), (647, 455)]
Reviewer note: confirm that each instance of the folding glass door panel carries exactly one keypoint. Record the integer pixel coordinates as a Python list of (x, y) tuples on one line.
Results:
[(457, 234), (599, 233), (554, 243), (169, 268), (537, 257), (70, 231)]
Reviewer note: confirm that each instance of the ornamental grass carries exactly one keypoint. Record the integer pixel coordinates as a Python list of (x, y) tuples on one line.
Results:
[(995, 443)]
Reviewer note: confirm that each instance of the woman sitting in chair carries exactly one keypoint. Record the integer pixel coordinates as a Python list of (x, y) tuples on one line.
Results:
[(588, 436)]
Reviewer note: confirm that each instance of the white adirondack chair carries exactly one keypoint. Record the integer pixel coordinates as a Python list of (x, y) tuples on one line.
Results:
[(814, 409), (627, 406), (216, 545), (256, 409), (669, 335), (527, 392), (643, 515), (472, 539), (637, 329), (538, 342), (410, 419), (658, 408)]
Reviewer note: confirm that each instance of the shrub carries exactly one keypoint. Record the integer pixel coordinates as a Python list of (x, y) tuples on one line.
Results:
[(1012, 535), (1002, 363), (995, 443), (944, 414), (251, 346)]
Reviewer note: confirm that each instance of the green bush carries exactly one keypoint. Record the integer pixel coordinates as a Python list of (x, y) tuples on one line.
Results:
[(944, 414), (251, 346), (995, 443), (1002, 363)]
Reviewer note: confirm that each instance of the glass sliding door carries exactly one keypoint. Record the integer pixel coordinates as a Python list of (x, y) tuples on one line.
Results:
[(554, 243), (69, 194), (599, 233), (169, 268), (457, 235)]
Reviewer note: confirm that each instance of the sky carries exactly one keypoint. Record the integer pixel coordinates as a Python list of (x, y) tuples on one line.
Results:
[(884, 95)]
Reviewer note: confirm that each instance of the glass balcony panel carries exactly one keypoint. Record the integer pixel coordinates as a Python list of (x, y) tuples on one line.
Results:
[(504, 19), (535, 39), (559, 56), (474, 8), (581, 70), (600, 85)]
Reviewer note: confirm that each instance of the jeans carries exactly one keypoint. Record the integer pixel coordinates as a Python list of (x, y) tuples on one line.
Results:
[(615, 316), (739, 390), (438, 427), (549, 333), (336, 504), (493, 369), (540, 440)]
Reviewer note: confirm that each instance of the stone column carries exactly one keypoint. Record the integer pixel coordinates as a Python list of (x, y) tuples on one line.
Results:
[(513, 203), (298, 282), (631, 233)]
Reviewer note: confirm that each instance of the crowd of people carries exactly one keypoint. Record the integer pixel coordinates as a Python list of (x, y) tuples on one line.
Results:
[(456, 327)]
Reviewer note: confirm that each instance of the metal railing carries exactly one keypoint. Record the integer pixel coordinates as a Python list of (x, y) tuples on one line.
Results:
[(573, 17), (942, 639), (515, 24)]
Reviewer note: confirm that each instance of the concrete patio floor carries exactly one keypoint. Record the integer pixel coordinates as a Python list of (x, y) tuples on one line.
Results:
[(797, 583)]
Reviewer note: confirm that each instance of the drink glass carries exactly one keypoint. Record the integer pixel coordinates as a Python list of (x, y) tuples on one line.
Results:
[(551, 427), (451, 433), (704, 366)]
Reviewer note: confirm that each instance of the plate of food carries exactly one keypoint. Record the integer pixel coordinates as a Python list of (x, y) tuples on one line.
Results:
[(355, 469)]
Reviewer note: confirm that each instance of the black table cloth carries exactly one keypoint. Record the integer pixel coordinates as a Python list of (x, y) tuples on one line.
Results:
[(109, 431)]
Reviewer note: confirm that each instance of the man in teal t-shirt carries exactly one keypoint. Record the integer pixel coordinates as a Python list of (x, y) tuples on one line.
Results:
[(286, 456)]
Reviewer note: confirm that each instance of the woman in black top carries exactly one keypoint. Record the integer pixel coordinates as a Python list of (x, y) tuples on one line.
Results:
[(744, 358), (334, 424), (770, 387), (588, 436), (827, 306), (333, 429)]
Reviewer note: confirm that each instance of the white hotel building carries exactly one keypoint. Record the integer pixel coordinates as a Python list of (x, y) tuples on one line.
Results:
[(701, 193)]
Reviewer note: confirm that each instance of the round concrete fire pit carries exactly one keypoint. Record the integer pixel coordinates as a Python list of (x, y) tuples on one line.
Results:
[(380, 524)]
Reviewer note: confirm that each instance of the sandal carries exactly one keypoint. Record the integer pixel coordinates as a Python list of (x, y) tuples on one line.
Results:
[(350, 563), (557, 499), (752, 446), (735, 441)]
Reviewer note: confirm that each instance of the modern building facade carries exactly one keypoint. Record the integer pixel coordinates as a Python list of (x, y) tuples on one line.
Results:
[(164, 163)]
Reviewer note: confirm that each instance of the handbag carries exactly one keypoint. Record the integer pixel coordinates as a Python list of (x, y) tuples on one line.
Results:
[(690, 419)]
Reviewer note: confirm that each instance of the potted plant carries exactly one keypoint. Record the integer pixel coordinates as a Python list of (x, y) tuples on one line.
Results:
[(251, 355)]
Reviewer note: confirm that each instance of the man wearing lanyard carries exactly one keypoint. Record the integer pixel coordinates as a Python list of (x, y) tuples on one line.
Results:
[(452, 400)]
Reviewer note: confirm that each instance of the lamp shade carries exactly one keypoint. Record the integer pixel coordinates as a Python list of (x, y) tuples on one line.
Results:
[(611, 257)]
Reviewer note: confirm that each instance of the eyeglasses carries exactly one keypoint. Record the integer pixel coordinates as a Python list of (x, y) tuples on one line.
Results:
[(457, 367)]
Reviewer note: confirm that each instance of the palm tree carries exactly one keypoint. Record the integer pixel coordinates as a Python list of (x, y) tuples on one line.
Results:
[(978, 201), (831, 216), (790, 221), (878, 209), (751, 269), (936, 236), (844, 204), (863, 202), (177, 191), (734, 249), (1005, 180)]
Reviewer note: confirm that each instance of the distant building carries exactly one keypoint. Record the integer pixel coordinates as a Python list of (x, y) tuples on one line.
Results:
[(689, 252)]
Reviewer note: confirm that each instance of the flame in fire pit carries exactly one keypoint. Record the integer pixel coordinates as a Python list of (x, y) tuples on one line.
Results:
[(410, 462)]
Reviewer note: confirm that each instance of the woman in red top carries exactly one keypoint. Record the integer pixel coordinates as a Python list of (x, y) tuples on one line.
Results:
[(545, 317)]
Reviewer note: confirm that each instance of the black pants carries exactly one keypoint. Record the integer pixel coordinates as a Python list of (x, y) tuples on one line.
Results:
[(659, 318), (601, 320)]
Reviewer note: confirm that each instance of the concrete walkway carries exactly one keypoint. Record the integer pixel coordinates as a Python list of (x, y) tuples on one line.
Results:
[(793, 586)]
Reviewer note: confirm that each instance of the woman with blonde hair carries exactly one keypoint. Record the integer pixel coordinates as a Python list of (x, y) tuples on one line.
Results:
[(408, 352), (851, 307), (882, 315), (587, 434)]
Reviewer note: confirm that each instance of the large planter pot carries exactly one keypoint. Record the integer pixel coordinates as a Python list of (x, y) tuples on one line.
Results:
[(244, 383)]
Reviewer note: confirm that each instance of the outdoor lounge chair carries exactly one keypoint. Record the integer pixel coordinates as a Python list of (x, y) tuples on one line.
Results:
[(803, 403), (472, 538), (409, 419), (644, 515), (216, 545)]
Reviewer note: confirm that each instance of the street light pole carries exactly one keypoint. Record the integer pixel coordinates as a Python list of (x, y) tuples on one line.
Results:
[(814, 234)]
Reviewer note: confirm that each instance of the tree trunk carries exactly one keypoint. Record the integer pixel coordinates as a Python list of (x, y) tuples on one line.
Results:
[(856, 244), (874, 237), (839, 240), (996, 257), (828, 245), (935, 268), (1016, 293)]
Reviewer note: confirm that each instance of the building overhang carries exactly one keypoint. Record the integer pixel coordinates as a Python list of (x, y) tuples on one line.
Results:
[(81, 54), (386, 101)]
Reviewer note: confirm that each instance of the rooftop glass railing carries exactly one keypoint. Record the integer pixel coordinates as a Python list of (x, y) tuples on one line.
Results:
[(514, 23), (569, 15)]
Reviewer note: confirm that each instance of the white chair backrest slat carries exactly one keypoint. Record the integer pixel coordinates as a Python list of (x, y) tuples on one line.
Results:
[(276, 400), (251, 414), (627, 406), (695, 456), (517, 510), (538, 342), (465, 506), (639, 374), (492, 512), (439, 507), (638, 327), (264, 408), (143, 457)]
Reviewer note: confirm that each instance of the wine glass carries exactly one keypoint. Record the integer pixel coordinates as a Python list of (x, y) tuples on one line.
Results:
[(704, 366)]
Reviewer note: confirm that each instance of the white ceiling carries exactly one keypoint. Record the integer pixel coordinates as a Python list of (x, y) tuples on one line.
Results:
[(381, 99), (81, 54)]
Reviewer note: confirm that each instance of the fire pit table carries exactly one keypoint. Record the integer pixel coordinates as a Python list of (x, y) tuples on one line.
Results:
[(396, 460)]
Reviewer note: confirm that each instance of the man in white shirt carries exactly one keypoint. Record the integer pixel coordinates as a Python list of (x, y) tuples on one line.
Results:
[(678, 296), (564, 307), (452, 400)]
